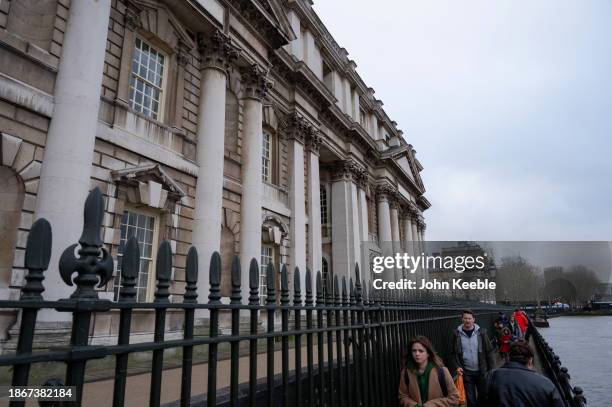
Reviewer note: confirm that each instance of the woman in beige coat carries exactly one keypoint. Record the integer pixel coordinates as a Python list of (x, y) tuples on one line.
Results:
[(420, 380)]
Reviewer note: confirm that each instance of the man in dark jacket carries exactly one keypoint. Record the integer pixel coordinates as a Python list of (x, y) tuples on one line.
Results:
[(472, 353), (515, 384)]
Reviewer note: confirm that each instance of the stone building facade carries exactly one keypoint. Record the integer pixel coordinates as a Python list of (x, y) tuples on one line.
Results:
[(231, 125)]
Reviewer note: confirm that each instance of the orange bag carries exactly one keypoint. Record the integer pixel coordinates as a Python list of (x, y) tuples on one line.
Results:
[(460, 387)]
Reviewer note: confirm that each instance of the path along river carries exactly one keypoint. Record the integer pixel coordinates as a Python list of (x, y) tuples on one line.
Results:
[(584, 345)]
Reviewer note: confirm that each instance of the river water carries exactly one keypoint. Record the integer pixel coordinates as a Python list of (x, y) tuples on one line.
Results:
[(584, 345)]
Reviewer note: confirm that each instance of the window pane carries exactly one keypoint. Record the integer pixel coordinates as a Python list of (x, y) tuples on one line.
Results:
[(145, 235), (147, 78)]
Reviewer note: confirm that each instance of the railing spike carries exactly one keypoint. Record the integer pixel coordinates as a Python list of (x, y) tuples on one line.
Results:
[(253, 282), (236, 297), (344, 292), (37, 256), (163, 271), (271, 289), (320, 300), (297, 292), (284, 286), (214, 296), (308, 287), (337, 300), (191, 276), (351, 292), (130, 265)]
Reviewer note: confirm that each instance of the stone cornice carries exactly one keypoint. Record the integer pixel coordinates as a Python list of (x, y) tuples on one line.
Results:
[(261, 21), (256, 82), (301, 76), (217, 51)]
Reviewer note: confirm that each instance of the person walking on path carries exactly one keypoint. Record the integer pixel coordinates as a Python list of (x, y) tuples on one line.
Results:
[(472, 353), (424, 381), (504, 343), (521, 320), (515, 384), (515, 330)]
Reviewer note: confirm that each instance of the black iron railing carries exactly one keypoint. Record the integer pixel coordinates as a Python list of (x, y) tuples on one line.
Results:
[(551, 363), (353, 338)]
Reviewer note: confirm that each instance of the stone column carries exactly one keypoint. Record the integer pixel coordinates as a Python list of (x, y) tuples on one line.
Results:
[(313, 142), (385, 236), (364, 265), (421, 227), (296, 134), (256, 83), (355, 225), (408, 238), (395, 231), (415, 236), (217, 52), (384, 216), (342, 220), (66, 168)]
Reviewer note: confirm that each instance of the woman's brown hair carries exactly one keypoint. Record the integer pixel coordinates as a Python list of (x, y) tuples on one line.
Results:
[(407, 360)]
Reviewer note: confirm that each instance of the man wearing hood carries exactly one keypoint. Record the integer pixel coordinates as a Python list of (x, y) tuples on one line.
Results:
[(472, 353)]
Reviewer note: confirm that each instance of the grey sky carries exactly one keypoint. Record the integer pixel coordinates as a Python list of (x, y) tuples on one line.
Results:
[(508, 104)]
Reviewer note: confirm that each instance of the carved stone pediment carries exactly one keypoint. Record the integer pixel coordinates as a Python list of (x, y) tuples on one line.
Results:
[(148, 185), (155, 17)]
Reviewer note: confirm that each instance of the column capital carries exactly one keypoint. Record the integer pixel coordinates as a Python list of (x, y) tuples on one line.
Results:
[(421, 222), (217, 51), (297, 128), (349, 170), (255, 81), (385, 190), (313, 140)]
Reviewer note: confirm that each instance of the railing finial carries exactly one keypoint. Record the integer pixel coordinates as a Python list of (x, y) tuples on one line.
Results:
[(191, 276), (90, 268), (130, 264), (236, 297), (253, 282), (163, 271), (214, 296), (297, 292), (37, 256), (284, 286)]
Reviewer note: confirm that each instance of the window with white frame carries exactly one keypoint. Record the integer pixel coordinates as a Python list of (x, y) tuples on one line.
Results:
[(266, 158), (141, 225), (267, 257), (147, 79), (323, 194)]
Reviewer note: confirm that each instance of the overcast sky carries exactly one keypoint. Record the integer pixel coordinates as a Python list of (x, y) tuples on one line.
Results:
[(508, 104)]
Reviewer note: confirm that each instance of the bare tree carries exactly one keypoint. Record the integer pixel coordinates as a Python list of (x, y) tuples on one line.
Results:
[(584, 280), (517, 280)]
